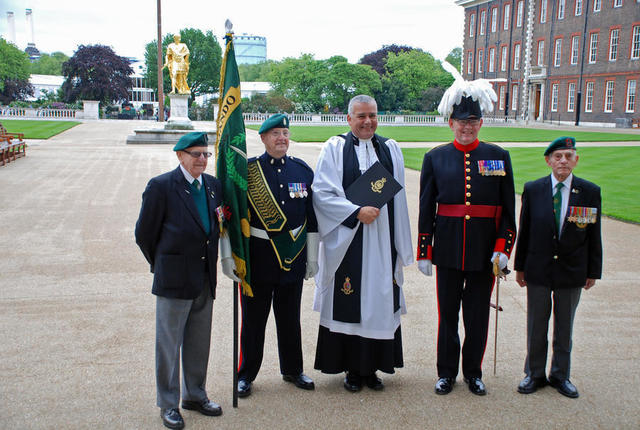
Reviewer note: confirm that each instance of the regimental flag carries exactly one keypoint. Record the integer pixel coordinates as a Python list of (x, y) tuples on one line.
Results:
[(231, 154)]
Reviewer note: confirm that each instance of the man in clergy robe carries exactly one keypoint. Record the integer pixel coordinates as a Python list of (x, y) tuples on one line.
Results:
[(362, 252), (178, 232), (558, 253), (283, 251), (466, 221)]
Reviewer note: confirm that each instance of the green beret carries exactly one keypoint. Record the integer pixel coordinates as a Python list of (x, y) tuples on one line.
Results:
[(564, 142), (278, 120), (195, 138)]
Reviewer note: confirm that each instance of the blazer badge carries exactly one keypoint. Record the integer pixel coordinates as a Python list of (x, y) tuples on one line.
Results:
[(346, 287)]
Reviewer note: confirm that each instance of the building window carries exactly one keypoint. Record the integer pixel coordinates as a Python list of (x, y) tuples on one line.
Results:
[(571, 97), (472, 24), (561, 7), (575, 42), (501, 97), (494, 19), (503, 59), (558, 53), (480, 60), (543, 11), (519, 14), (608, 96), (578, 7), (631, 96), (588, 104), (483, 21), (540, 52), (507, 16), (617, 3), (597, 5), (516, 56), (554, 98), (613, 44), (593, 48), (492, 59), (635, 43), (514, 98), (469, 63)]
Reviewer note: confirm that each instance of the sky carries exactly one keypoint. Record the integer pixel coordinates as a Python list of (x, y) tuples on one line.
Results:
[(292, 27)]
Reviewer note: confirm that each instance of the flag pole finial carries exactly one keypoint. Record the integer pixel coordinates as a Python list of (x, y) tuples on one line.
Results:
[(228, 26)]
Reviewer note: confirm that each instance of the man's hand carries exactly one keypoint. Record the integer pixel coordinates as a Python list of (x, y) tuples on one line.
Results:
[(368, 214), (425, 266), (520, 279), (590, 283)]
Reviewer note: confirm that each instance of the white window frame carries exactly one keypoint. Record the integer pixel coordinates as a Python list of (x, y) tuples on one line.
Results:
[(578, 8), (635, 42), (470, 63), (540, 53), (561, 8), (614, 39), (514, 97), (617, 3), (609, 93), (506, 17), (575, 46), (543, 11), (472, 24), (588, 98), (480, 60), (503, 59), (483, 21), (630, 103), (557, 53), (554, 98), (494, 19), (571, 97), (593, 48), (516, 56), (501, 97), (519, 13), (492, 60), (597, 5)]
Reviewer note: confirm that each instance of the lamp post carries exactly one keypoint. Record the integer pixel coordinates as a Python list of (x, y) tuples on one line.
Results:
[(160, 86)]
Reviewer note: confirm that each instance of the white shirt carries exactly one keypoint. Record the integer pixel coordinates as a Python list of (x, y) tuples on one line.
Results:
[(188, 176), (565, 191)]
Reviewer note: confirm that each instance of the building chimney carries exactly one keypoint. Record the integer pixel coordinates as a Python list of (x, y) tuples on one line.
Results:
[(11, 28), (31, 49)]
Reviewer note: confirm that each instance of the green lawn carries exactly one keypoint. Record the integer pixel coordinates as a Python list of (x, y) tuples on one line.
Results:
[(443, 134), (612, 168), (35, 129)]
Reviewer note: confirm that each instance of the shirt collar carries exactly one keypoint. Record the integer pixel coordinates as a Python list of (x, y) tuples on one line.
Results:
[(466, 148), (274, 161), (566, 182), (188, 176)]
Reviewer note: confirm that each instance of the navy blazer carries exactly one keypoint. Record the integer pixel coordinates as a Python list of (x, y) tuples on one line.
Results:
[(547, 260), (170, 233)]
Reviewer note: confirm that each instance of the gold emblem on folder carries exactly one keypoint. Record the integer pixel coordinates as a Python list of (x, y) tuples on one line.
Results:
[(377, 186)]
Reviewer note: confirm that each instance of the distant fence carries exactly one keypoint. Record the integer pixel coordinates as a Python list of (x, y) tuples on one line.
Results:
[(19, 112), (341, 119)]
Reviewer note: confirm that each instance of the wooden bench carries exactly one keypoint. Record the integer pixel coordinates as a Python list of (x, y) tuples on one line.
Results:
[(12, 145), (635, 123)]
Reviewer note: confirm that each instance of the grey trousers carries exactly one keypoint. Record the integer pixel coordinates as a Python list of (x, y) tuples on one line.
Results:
[(182, 325), (539, 305)]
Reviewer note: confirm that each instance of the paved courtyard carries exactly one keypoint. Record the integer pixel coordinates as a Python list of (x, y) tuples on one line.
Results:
[(77, 317)]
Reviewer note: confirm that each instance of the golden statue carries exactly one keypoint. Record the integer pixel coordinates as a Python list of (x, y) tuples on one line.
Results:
[(177, 61)]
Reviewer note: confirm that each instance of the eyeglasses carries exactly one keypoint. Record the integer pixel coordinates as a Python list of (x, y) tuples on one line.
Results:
[(197, 154), (471, 122)]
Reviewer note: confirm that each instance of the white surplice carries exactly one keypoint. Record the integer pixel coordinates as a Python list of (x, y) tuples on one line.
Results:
[(378, 320)]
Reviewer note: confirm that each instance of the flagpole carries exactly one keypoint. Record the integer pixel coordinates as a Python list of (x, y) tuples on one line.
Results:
[(235, 344)]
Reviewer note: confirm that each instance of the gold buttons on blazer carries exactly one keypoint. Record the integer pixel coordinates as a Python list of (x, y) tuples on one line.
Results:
[(467, 217)]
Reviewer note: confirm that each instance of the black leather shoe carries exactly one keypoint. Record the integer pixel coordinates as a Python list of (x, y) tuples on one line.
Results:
[(301, 381), (476, 386), (205, 407), (374, 382), (353, 382), (530, 385), (244, 388), (444, 385), (566, 388), (171, 418)]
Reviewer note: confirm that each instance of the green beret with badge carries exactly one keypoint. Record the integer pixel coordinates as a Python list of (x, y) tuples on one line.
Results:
[(195, 138), (278, 120), (564, 142)]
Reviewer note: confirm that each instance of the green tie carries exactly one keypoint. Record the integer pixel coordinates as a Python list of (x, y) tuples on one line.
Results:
[(557, 205), (196, 184)]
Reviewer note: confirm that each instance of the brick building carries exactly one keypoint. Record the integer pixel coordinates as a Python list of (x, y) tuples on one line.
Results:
[(560, 58)]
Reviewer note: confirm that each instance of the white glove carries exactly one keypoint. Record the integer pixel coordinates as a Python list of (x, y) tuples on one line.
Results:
[(313, 242), (425, 266), (503, 260), (226, 259)]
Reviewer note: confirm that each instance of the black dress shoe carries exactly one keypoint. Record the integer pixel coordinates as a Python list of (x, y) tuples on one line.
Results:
[(205, 407), (530, 385), (566, 388), (171, 418), (444, 385), (301, 381), (244, 388), (476, 386), (353, 382), (374, 382)]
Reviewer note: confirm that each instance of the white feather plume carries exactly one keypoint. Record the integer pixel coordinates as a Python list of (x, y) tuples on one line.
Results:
[(479, 90)]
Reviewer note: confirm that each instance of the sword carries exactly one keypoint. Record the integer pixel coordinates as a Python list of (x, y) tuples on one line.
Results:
[(498, 274)]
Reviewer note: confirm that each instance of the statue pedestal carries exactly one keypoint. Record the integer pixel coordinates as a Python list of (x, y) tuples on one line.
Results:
[(91, 109), (179, 115)]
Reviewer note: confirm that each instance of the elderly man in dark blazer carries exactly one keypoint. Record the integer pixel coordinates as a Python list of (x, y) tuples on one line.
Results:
[(558, 253), (178, 231)]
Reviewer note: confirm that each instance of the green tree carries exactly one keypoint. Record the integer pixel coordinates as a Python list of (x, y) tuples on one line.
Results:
[(300, 80), (455, 58), (344, 80), (49, 64), (14, 73), (205, 58), (255, 72), (270, 102), (378, 59)]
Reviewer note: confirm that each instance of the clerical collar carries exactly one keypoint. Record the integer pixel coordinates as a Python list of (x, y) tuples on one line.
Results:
[(274, 161), (373, 140), (188, 176), (466, 148)]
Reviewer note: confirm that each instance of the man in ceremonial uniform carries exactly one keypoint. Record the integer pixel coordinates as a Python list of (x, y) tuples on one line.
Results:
[(283, 251), (559, 252), (362, 253), (466, 221), (178, 231)]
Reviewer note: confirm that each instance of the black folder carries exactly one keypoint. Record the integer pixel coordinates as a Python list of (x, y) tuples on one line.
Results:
[(375, 187)]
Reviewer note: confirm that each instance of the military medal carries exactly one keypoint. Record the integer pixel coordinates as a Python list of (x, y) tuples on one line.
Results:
[(304, 190), (292, 190), (491, 167), (582, 215), (219, 214)]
